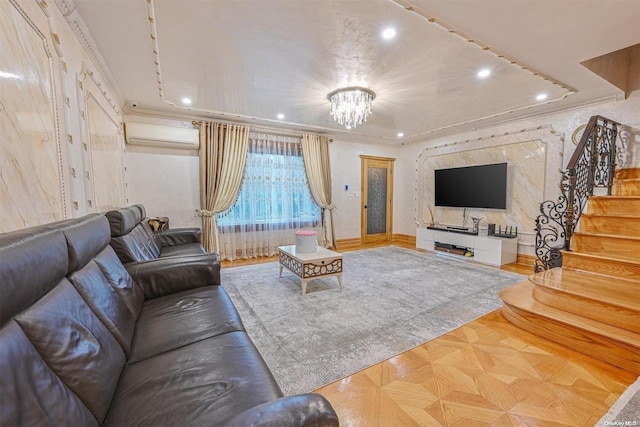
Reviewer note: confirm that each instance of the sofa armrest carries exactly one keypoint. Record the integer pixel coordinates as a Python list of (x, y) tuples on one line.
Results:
[(178, 236), (166, 276), (301, 410)]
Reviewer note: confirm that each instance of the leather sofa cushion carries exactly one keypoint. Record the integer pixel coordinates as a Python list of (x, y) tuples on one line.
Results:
[(120, 280), (86, 237), (31, 394), (76, 346), (143, 211), (135, 246), (129, 249), (122, 220), (178, 236), (145, 236), (32, 261), (181, 250), (196, 385), (180, 319), (105, 303)]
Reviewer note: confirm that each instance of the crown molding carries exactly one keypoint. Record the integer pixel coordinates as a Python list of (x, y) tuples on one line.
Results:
[(69, 11)]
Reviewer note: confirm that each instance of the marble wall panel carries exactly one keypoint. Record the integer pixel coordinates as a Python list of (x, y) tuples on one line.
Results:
[(106, 153), (525, 184), (30, 158), (535, 156)]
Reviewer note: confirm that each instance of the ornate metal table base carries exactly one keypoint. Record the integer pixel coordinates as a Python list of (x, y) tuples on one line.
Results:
[(310, 266)]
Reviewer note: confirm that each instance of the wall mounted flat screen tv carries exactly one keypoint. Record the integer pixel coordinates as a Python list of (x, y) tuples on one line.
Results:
[(483, 186)]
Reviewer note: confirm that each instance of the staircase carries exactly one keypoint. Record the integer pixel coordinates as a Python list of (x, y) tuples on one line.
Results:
[(592, 303)]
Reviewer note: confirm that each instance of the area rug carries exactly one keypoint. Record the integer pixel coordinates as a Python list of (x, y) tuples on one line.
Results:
[(393, 299), (626, 410)]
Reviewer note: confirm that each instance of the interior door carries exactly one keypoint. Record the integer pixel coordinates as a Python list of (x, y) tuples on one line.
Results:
[(377, 199)]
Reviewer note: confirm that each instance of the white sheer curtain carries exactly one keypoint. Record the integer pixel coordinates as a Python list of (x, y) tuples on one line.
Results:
[(274, 200)]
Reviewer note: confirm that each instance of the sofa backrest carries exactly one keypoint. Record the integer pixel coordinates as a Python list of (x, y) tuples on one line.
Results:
[(62, 344), (101, 279), (76, 345), (32, 394), (141, 208), (32, 262), (131, 237)]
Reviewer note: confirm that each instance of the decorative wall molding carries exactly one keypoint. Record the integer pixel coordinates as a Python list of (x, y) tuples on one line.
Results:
[(70, 13), (91, 89), (65, 162), (553, 142)]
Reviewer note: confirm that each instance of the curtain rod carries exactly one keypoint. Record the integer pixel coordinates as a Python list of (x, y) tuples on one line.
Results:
[(264, 129)]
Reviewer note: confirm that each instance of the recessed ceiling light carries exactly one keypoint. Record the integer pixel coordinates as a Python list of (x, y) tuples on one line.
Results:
[(541, 97), (485, 72), (389, 33), (400, 134), (280, 116), (186, 101)]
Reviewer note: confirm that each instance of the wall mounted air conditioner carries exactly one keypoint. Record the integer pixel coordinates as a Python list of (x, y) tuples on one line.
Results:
[(161, 136)]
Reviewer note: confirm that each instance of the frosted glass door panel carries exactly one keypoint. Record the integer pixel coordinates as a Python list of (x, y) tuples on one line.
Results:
[(376, 200)]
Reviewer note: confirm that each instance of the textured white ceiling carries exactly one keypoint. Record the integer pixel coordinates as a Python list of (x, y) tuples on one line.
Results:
[(252, 59)]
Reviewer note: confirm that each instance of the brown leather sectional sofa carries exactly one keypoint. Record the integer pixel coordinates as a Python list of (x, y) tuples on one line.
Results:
[(85, 343)]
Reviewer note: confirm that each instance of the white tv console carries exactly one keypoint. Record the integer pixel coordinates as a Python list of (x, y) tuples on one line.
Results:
[(486, 249)]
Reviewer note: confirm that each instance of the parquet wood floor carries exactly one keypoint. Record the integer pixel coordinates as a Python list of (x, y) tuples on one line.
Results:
[(486, 373)]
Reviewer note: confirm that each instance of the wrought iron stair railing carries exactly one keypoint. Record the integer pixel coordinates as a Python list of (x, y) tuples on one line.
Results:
[(592, 166)]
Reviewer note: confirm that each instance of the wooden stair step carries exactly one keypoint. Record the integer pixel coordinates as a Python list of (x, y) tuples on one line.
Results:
[(628, 187), (614, 205), (608, 343), (624, 268), (619, 225), (603, 298), (629, 173), (621, 247)]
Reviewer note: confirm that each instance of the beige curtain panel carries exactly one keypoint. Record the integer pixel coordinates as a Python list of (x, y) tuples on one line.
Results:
[(223, 155), (315, 154)]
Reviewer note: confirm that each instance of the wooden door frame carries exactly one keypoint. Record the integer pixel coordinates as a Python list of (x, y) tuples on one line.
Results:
[(389, 164)]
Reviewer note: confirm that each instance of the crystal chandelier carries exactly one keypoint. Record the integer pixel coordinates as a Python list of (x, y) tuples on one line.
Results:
[(350, 106)]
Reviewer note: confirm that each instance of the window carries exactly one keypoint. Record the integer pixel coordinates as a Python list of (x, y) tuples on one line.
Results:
[(274, 193)]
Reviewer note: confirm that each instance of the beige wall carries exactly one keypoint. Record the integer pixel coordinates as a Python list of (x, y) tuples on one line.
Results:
[(165, 180)]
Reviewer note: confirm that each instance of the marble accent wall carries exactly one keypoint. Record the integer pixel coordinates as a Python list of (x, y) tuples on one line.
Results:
[(534, 156), (525, 184), (61, 155), (106, 156), (31, 181)]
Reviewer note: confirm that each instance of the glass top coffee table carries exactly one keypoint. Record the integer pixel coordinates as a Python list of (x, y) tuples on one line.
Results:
[(309, 266)]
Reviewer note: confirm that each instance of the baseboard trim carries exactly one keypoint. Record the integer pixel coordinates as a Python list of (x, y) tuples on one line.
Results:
[(404, 239)]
